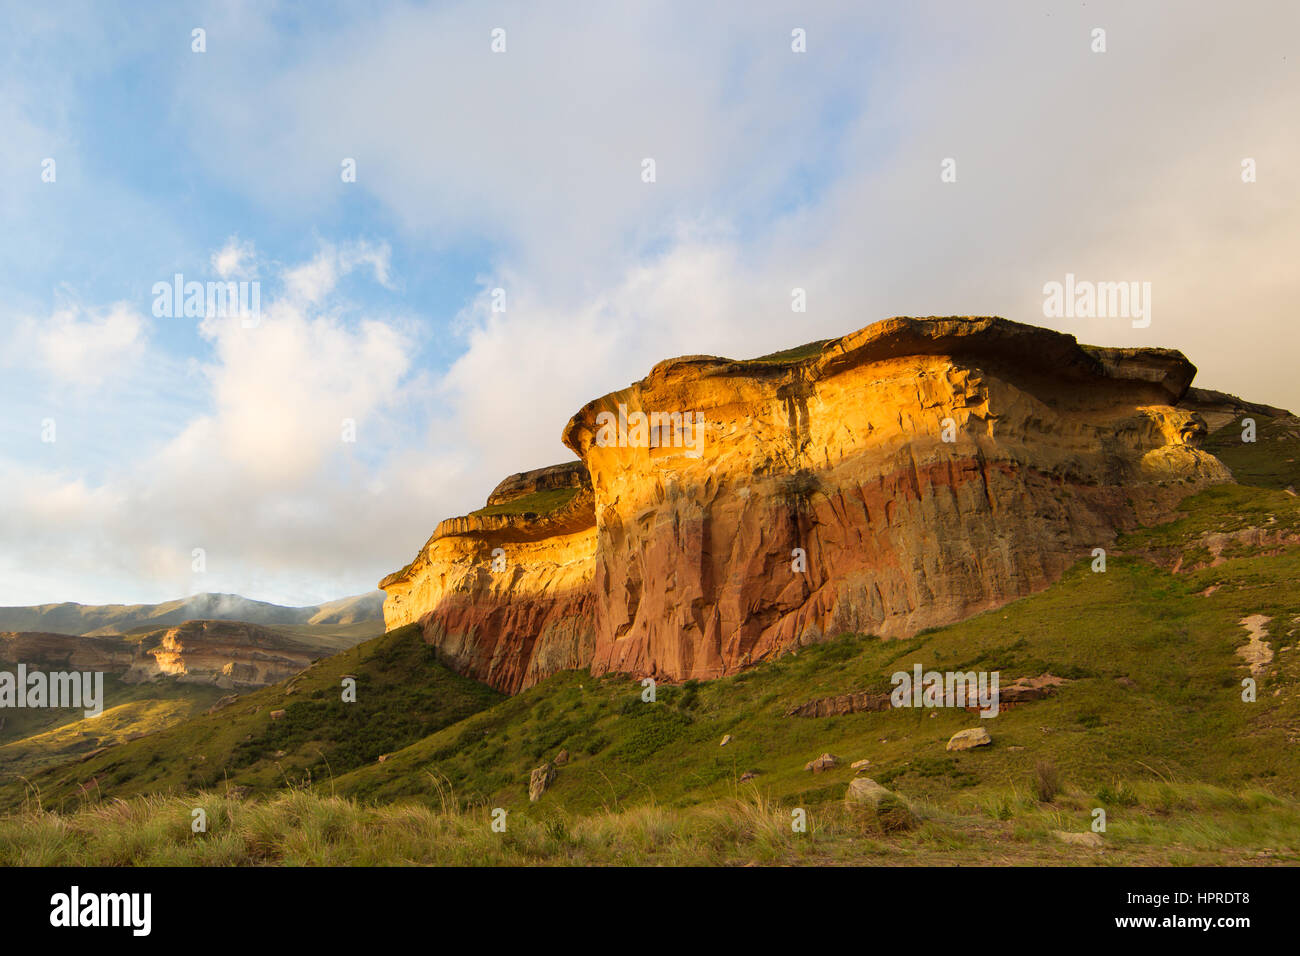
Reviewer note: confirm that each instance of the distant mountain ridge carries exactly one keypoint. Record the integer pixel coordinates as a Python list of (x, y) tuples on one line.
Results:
[(105, 619)]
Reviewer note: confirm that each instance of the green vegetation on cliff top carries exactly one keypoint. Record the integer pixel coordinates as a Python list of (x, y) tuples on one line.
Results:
[(538, 502)]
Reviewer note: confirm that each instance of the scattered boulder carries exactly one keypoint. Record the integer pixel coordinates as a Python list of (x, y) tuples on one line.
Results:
[(878, 806), (971, 737), (539, 780), (860, 765), (383, 757), (222, 702), (1088, 838), (863, 791), (824, 762), (561, 758), (726, 739), (277, 714)]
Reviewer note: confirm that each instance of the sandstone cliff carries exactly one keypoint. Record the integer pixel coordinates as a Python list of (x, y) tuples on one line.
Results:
[(505, 594), (904, 476)]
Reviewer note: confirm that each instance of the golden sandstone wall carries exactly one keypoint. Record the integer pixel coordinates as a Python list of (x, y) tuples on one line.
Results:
[(905, 476)]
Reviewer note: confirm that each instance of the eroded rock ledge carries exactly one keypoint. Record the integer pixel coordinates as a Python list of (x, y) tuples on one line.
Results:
[(506, 597), (824, 498)]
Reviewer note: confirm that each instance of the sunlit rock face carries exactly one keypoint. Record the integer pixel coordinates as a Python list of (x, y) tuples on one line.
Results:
[(507, 598), (228, 654), (904, 476)]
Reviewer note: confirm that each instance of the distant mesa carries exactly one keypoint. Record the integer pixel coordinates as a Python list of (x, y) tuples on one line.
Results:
[(255, 644)]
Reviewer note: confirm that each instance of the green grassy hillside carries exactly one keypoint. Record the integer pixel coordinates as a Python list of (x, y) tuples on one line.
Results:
[(33, 738), (538, 502), (1154, 699), (1272, 460), (1154, 694), (402, 695)]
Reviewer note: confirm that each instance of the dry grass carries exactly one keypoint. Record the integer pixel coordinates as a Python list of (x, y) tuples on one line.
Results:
[(1172, 824)]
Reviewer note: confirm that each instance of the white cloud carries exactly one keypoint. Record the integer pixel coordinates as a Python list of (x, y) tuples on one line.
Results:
[(234, 260), (826, 164), (309, 283), (775, 170), (264, 481), (85, 348)]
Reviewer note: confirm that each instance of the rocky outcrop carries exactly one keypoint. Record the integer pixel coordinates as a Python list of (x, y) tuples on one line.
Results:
[(571, 474), (840, 705), (539, 780), (905, 476), (925, 470), (1219, 408), (824, 762), (507, 598), (1021, 691), (227, 654)]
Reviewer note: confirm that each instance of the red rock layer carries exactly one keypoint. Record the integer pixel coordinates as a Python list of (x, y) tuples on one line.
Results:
[(902, 477)]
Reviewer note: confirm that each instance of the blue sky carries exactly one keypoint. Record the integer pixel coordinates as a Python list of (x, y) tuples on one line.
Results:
[(521, 170)]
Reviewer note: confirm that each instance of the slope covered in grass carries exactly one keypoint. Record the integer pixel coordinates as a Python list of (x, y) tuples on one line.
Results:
[(1150, 726), (402, 695), (1271, 461), (1154, 693), (79, 738), (32, 738)]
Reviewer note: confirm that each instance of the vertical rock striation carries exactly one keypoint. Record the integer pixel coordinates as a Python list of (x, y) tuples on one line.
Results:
[(904, 476)]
